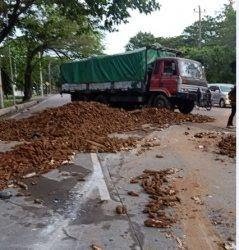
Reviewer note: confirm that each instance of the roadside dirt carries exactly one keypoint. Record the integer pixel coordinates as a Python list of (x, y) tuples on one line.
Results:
[(199, 231), (197, 187)]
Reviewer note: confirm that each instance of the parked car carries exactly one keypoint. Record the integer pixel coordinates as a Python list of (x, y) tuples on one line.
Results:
[(219, 92)]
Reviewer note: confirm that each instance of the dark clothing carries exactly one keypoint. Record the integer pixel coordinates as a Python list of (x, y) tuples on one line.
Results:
[(232, 97), (233, 112)]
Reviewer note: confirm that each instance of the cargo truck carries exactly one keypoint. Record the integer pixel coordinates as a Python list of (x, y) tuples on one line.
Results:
[(152, 76)]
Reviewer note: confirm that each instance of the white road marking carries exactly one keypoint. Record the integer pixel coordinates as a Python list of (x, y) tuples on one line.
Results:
[(99, 178), (80, 193)]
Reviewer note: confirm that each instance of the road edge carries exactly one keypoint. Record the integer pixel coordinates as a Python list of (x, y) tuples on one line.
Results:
[(20, 107)]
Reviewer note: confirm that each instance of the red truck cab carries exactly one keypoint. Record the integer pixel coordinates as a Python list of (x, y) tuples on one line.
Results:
[(174, 82)]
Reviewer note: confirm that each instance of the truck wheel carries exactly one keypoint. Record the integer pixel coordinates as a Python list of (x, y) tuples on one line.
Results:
[(186, 107), (161, 101), (222, 103), (101, 99), (74, 97)]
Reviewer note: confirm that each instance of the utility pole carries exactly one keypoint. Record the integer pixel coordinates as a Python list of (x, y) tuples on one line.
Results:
[(199, 11), (11, 72), (231, 2), (41, 78)]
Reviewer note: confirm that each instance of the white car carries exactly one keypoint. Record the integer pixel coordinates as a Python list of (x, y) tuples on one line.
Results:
[(219, 92)]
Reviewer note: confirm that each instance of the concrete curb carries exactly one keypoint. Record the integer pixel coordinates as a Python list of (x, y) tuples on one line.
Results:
[(19, 107)]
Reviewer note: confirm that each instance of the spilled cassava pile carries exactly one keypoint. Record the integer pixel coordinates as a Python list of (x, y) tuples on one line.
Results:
[(155, 184), (227, 146), (50, 137)]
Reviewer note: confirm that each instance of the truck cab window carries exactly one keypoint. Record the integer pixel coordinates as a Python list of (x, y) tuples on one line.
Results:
[(169, 68), (156, 67)]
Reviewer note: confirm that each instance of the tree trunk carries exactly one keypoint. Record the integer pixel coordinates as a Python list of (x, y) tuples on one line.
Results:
[(28, 82), (28, 71)]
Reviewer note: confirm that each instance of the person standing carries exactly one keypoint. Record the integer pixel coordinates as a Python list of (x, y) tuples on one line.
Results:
[(232, 97)]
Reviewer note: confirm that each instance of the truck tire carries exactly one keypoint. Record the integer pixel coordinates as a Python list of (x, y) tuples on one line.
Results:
[(161, 101), (222, 103), (74, 97), (186, 107), (102, 99)]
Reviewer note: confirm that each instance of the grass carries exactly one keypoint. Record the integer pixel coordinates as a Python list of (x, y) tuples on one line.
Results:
[(9, 101)]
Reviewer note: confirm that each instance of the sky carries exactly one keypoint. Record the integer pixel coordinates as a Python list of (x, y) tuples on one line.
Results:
[(170, 20)]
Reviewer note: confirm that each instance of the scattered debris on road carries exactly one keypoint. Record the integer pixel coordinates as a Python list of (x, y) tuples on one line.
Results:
[(49, 138), (229, 245), (197, 200), (38, 201), (158, 156), (120, 209), (22, 185), (95, 247), (227, 146), (161, 196), (29, 175), (210, 135), (226, 143), (133, 193), (4, 195)]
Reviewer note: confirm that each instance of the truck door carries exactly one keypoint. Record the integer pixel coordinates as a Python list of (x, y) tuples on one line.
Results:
[(169, 76), (164, 76), (156, 76)]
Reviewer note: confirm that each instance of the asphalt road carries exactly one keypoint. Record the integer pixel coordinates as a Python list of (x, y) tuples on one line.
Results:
[(76, 214)]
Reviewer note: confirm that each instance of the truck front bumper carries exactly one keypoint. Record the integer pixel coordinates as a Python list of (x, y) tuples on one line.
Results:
[(187, 96)]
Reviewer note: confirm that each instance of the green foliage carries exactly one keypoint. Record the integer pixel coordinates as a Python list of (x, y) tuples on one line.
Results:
[(103, 14), (140, 40), (216, 60)]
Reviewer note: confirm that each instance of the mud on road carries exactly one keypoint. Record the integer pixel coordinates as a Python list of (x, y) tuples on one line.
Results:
[(74, 206)]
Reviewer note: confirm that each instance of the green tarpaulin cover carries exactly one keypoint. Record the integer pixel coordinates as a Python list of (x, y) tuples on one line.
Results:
[(130, 66)]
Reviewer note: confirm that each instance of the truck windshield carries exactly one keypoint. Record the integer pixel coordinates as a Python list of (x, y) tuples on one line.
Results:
[(225, 88), (191, 69)]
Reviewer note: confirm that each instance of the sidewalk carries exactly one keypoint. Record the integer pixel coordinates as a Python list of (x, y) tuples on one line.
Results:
[(19, 107)]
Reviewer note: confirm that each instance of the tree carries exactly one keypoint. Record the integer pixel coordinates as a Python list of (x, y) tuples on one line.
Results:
[(210, 32), (216, 60), (142, 39), (48, 30), (104, 13), (227, 28)]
